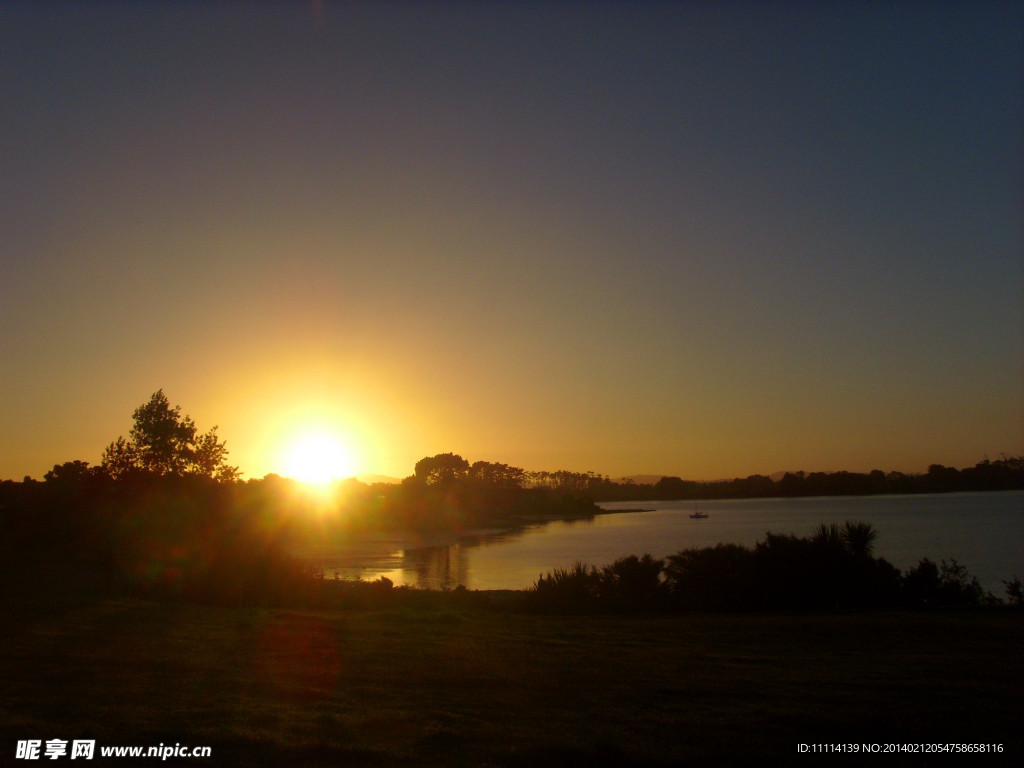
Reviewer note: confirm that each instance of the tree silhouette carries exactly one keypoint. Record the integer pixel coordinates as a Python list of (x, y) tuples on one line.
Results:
[(70, 473), (500, 475), (441, 469), (859, 538), (828, 535), (163, 442)]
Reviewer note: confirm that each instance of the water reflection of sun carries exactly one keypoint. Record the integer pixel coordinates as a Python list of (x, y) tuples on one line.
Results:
[(318, 456)]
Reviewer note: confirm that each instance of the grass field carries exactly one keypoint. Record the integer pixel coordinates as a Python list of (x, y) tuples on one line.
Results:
[(447, 684)]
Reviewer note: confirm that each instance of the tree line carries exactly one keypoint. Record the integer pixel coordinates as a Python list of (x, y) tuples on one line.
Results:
[(1003, 474), (165, 513), (834, 568), (164, 442)]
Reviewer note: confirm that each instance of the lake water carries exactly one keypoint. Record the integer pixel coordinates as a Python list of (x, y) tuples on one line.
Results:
[(983, 531)]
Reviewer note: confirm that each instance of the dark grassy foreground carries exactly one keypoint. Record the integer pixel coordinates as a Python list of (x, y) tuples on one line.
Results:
[(440, 681)]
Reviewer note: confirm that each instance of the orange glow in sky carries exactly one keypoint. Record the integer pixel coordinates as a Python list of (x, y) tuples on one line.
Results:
[(695, 239)]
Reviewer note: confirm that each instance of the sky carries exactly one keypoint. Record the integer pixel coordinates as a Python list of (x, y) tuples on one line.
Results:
[(696, 239)]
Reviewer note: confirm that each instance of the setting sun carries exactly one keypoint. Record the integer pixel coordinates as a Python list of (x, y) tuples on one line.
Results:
[(318, 457)]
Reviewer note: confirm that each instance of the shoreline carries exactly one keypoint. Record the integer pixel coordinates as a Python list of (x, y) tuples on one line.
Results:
[(391, 541)]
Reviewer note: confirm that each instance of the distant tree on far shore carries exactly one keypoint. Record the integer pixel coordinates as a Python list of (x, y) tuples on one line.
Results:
[(1003, 474), (442, 469)]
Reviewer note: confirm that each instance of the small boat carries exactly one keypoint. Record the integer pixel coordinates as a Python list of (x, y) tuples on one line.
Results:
[(697, 514)]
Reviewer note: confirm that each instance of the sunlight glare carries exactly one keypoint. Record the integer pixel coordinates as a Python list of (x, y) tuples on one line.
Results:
[(318, 458)]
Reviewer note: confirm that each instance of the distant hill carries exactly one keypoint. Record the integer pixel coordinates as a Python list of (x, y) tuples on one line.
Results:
[(639, 479), (371, 479), (652, 479)]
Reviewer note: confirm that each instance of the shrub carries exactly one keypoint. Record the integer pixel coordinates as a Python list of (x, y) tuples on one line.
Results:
[(631, 584), (710, 579), (946, 584), (572, 589), (1015, 591)]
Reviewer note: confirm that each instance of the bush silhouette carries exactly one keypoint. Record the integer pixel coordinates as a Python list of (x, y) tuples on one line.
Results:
[(945, 584), (631, 583), (831, 569), (710, 579), (572, 589)]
